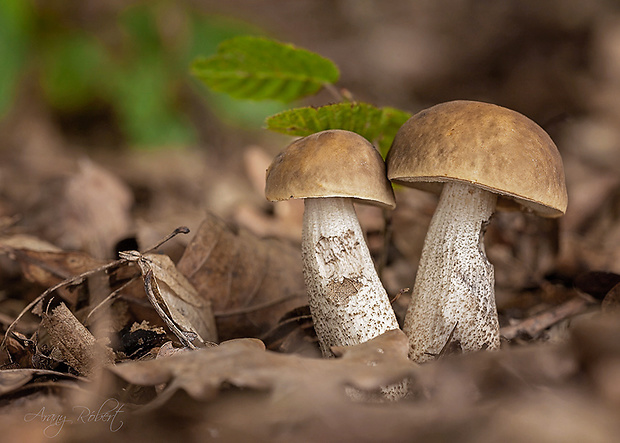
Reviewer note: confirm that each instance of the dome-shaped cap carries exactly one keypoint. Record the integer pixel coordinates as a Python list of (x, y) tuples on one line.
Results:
[(485, 145), (333, 163)]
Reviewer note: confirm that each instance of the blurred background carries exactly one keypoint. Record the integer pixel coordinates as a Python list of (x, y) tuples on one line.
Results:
[(107, 142), (105, 135)]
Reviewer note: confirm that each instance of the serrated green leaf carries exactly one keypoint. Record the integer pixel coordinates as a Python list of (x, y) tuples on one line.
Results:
[(258, 68), (377, 125)]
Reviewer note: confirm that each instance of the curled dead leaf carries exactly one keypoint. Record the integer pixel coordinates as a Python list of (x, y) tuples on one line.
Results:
[(75, 344), (188, 315)]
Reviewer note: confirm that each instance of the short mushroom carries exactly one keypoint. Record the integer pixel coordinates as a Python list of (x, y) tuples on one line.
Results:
[(478, 156), (330, 170)]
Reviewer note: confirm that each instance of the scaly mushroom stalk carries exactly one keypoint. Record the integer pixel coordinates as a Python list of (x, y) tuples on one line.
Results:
[(348, 302), (454, 287)]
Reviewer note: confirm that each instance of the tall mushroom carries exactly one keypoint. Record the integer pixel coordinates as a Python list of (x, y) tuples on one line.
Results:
[(477, 155), (330, 170)]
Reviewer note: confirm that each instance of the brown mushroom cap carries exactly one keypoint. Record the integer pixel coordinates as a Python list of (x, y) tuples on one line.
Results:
[(333, 163), (485, 145)]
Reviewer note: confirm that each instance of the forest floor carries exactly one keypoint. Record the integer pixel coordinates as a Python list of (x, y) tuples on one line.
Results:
[(72, 196)]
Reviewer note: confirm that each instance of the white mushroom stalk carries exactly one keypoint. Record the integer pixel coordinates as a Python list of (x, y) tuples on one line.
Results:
[(348, 302), (453, 297)]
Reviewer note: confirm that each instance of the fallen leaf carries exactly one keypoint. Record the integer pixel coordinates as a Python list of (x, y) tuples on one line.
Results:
[(285, 218), (88, 211), (43, 263), (294, 333), (251, 282), (175, 299), (12, 380), (19, 351), (244, 363), (168, 350), (240, 391), (76, 345), (611, 302)]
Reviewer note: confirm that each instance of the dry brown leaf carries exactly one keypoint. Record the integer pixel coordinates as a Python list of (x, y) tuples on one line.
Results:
[(245, 363), (294, 334), (276, 397), (168, 350), (36, 306), (43, 263), (27, 242), (19, 350), (251, 282), (12, 380), (611, 302), (89, 211), (175, 299), (77, 346)]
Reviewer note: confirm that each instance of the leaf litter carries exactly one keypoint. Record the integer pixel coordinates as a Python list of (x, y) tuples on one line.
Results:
[(99, 339), (283, 396), (251, 282)]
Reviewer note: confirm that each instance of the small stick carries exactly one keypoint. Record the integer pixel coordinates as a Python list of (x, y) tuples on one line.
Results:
[(179, 230), (536, 324), (400, 293)]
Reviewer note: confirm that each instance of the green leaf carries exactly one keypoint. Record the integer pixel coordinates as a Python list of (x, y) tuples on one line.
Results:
[(208, 32), (257, 68), (377, 125)]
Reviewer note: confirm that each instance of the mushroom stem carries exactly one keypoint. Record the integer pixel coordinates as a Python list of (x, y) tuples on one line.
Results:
[(348, 302), (454, 287)]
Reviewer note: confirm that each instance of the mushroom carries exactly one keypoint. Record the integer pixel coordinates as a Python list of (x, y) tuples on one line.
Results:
[(477, 156), (330, 170)]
